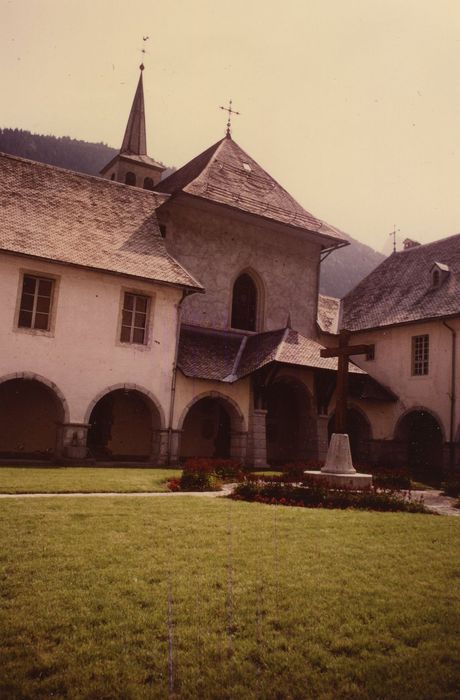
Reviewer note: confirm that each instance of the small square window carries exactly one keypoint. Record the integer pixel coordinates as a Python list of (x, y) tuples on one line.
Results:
[(370, 354), (134, 319), (36, 302), (420, 354)]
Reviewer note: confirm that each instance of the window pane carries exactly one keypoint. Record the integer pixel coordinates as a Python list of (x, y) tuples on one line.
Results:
[(141, 304), (25, 319), (45, 287), (139, 320), (138, 335), (125, 336), (41, 321), (129, 301), (43, 304), (127, 318), (27, 302), (29, 284)]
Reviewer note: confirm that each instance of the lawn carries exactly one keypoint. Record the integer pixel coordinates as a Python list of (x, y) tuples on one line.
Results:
[(210, 598), (83, 479)]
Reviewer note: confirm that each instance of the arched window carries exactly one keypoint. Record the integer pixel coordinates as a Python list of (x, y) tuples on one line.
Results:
[(130, 179), (148, 183), (244, 303)]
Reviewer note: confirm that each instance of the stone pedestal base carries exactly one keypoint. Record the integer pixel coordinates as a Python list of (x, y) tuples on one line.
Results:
[(338, 472)]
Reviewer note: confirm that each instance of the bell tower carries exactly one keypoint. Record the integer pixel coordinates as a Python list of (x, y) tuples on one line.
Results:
[(132, 165)]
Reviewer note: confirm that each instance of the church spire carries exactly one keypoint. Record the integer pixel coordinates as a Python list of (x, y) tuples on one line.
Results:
[(134, 141)]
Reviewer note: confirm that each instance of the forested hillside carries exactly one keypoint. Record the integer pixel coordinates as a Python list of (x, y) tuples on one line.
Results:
[(341, 271)]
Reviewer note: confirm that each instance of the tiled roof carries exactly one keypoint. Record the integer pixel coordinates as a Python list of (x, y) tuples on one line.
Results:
[(400, 289), (55, 214), (226, 356), (328, 313), (225, 174)]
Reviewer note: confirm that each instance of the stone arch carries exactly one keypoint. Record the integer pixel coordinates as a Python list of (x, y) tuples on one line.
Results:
[(32, 410), (252, 314), (419, 434), (212, 425), (126, 423), (359, 430), (291, 421)]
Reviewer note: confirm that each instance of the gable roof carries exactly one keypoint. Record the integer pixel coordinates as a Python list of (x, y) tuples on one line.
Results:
[(229, 356), (55, 214), (400, 289), (225, 174)]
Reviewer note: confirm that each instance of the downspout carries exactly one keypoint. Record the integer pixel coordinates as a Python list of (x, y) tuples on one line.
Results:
[(452, 396), (185, 292)]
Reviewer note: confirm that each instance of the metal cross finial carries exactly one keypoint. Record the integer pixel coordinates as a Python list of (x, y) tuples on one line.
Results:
[(393, 233), (230, 112), (143, 50)]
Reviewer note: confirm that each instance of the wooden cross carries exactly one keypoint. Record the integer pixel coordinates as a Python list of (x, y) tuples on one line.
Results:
[(343, 353), (230, 112), (393, 233)]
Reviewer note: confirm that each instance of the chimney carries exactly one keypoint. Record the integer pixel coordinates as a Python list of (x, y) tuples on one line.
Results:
[(409, 243)]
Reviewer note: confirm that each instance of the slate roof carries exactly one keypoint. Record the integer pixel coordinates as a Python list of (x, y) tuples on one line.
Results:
[(225, 174), (54, 214), (328, 313), (400, 289), (228, 356)]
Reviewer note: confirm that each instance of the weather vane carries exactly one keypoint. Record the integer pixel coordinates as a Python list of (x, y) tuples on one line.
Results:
[(230, 112), (143, 51), (393, 233)]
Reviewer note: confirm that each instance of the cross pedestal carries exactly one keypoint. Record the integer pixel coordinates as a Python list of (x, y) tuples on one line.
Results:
[(338, 470)]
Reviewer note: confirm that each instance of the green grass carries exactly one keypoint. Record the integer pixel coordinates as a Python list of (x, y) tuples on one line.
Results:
[(267, 602), (83, 479)]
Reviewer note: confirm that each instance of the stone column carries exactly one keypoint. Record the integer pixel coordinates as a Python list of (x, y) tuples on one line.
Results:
[(238, 445), (159, 454), (258, 439), (71, 441), (176, 436), (322, 437)]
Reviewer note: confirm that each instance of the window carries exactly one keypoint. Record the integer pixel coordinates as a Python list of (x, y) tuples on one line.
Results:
[(134, 319), (36, 299), (420, 354), (148, 183), (244, 304), (130, 179), (436, 278), (370, 354)]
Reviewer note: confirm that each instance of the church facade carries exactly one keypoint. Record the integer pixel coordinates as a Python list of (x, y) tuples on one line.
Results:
[(148, 320)]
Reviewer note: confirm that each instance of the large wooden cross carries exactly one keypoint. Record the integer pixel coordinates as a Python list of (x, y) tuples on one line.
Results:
[(343, 353)]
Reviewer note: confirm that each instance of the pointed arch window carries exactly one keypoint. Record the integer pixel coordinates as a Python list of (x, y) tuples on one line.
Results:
[(244, 303)]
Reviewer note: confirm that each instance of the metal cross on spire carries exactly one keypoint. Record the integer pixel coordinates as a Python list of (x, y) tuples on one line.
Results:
[(230, 112), (143, 51), (393, 233)]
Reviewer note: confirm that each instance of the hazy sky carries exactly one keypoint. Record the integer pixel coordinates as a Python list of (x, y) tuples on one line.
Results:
[(352, 105)]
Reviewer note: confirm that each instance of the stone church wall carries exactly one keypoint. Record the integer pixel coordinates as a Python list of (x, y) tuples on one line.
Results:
[(216, 247)]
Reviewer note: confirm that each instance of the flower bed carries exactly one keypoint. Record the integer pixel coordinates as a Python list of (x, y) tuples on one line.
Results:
[(206, 474), (276, 493)]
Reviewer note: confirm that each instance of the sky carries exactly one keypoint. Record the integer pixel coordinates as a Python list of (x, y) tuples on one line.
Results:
[(352, 105)]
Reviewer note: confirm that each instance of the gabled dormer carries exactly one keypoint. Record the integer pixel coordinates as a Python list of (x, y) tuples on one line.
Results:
[(132, 165), (438, 272)]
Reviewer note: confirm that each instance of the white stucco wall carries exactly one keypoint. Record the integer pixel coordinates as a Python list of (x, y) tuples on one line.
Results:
[(82, 355), (217, 245)]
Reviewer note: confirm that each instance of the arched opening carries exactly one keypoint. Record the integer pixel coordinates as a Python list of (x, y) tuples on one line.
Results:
[(30, 413), (130, 179), (359, 433), (290, 430), (123, 426), (421, 437), (244, 303), (211, 429), (148, 183)]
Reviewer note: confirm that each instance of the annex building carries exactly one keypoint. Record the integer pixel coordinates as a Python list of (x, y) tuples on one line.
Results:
[(149, 320)]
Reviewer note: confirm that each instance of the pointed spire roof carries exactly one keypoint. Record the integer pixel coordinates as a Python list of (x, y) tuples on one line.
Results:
[(135, 141), (226, 175)]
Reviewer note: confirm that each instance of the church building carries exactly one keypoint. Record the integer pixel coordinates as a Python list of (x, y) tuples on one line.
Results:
[(147, 320)]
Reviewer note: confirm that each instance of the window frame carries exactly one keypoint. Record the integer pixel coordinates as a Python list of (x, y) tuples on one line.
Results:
[(420, 355), (38, 275), (150, 298), (260, 301)]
